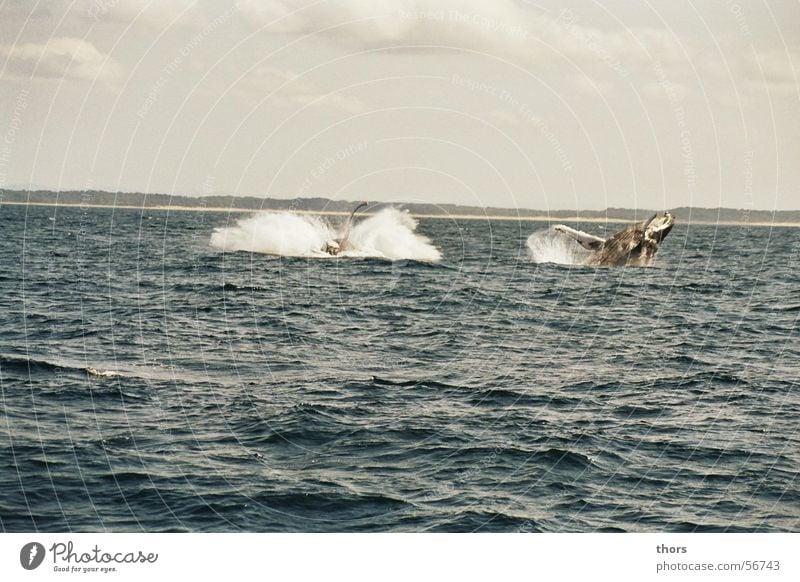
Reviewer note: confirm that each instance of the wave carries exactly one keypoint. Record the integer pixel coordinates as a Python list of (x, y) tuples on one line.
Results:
[(388, 234), (22, 367), (424, 383), (547, 246), (27, 366), (102, 373)]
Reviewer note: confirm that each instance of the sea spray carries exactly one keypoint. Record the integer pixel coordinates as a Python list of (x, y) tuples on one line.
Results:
[(548, 246), (391, 233), (275, 233), (388, 234)]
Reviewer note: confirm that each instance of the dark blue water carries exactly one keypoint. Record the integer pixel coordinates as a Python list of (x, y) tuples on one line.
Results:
[(150, 382)]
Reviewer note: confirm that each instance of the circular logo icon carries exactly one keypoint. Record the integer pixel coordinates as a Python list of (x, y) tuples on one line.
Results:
[(31, 555)]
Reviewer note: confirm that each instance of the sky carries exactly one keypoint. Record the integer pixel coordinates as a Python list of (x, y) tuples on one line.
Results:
[(548, 105)]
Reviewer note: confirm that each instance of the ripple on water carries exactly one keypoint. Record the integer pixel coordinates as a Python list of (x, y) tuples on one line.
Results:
[(153, 383)]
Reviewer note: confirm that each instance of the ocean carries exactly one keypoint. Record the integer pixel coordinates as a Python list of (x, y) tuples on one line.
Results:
[(158, 375)]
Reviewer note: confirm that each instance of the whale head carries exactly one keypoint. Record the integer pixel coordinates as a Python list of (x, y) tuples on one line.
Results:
[(658, 227)]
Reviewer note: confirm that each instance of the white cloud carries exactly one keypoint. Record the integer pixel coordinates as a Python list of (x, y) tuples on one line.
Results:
[(154, 13), (504, 117), (778, 67), (503, 28), (290, 87), (60, 57), (495, 27), (525, 34)]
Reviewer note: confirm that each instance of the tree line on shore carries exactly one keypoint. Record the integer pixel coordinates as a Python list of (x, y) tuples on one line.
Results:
[(140, 200)]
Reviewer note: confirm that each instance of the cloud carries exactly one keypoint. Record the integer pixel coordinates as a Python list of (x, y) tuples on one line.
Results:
[(488, 26), (154, 14), (292, 88), (774, 67), (529, 36), (504, 117), (62, 57), (503, 28)]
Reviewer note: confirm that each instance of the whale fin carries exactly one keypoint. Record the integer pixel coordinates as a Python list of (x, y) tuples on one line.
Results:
[(343, 242), (586, 240)]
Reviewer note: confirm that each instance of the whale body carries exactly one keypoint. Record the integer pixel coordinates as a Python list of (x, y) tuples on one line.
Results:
[(635, 245)]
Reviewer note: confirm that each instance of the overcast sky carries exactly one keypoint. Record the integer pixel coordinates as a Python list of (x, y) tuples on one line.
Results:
[(547, 104)]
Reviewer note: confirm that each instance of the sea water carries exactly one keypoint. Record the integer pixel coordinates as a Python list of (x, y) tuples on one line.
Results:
[(159, 371)]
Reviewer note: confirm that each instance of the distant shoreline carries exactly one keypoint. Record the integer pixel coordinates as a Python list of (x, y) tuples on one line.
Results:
[(534, 218)]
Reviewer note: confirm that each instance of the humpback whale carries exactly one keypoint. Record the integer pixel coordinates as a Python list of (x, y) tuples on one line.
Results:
[(341, 243), (635, 246)]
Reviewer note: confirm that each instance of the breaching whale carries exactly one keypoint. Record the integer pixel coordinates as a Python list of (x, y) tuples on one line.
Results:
[(341, 243), (634, 246)]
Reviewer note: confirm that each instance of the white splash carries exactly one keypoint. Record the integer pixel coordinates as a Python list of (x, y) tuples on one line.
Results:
[(275, 233), (549, 246), (391, 233), (102, 373), (388, 234)]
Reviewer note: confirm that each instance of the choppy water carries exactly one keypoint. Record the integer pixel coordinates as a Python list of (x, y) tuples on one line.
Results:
[(152, 382)]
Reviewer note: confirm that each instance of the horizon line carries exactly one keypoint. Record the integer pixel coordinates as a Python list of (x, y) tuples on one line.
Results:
[(375, 202), (533, 218)]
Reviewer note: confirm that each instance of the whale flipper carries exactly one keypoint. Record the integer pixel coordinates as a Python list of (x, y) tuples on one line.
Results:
[(586, 240), (346, 229), (341, 243)]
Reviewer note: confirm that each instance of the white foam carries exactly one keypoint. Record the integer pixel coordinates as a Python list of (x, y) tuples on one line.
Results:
[(391, 233), (102, 373), (388, 234), (549, 246), (275, 233)]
